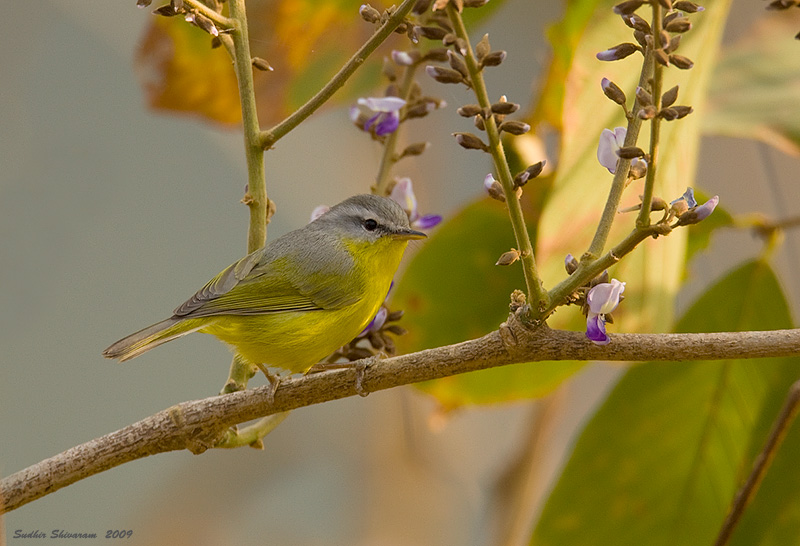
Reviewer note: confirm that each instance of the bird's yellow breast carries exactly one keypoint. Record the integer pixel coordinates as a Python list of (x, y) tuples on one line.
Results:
[(296, 340)]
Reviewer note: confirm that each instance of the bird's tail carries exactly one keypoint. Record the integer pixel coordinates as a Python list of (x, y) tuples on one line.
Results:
[(152, 336)]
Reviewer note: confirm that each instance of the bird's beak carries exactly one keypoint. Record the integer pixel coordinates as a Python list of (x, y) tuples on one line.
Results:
[(407, 234)]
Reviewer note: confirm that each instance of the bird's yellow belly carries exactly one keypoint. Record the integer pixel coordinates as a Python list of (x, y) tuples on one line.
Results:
[(293, 341)]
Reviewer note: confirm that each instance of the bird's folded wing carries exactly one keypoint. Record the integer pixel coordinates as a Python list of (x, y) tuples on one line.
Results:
[(256, 285)]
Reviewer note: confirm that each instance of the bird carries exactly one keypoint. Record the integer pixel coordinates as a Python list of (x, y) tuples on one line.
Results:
[(301, 296)]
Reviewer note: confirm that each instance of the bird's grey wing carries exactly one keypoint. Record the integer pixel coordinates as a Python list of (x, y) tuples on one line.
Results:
[(254, 285)]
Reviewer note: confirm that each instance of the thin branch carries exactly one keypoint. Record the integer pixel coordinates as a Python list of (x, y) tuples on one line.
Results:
[(643, 219), (269, 137), (256, 196), (535, 291), (201, 424), (785, 418), (219, 20)]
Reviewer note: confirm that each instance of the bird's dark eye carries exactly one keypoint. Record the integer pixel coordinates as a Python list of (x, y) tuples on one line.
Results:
[(370, 224)]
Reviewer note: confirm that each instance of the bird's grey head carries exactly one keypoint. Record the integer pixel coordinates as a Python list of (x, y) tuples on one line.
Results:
[(368, 217)]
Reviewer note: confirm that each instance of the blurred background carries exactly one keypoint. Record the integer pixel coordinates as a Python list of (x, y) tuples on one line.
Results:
[(111, 215)]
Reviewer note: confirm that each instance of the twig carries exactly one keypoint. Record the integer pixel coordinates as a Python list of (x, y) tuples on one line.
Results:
[(269, 137), (196, 425), (776, 436), (537, 295)]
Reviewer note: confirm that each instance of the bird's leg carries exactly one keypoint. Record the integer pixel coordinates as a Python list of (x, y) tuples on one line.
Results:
[(274, 381), (360, 366)]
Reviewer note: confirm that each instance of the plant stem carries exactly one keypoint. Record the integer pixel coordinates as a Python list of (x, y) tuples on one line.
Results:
[(256, 195), (780, 427), (590, 269), (655, 123), (219, 20), (269, 137), (389, 145), (537, 295), (621, 175)]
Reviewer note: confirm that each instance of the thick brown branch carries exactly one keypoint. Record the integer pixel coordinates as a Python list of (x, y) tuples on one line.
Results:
[(198, 425)]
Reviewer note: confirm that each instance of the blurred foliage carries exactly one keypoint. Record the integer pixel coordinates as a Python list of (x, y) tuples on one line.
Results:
[(452, 289), (661, 460), (754, 89), (305, 41)]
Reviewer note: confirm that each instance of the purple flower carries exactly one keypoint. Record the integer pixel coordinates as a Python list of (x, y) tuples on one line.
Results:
[(403, 194), (687, 196), (602, 299), (377, 321), (608, 148), (386, 118), (704, 210), (698, 214)]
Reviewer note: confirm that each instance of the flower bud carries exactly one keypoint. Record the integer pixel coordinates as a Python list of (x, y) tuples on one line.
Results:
[(641, 38), (405, 58), (438, 54), (495, 58), (143, 3), (698, 214), (469, 110), (612, 91), (261, 64), (638, 169), (457, 63), (688, 7), (475, 3), (648, 112), (628, 7), (684, 63), (533, 171), (479, 122), (369, 14), (444, 75), (508, 258), (669, 97), (165, 11), (514, 127), (678, 24), (661, 57), (504, 108), (470, 141), (644, 98), (637, 23), (630, 152), (431, 33), (618, 52), (415, 149), (570, 264), (482, 48), (668, 114), (421, 6), (682, 111), (494, 188)]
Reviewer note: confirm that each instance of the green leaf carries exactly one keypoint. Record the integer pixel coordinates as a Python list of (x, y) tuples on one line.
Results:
[(452, 291), (661, 460), (754, 90), (653, 272)]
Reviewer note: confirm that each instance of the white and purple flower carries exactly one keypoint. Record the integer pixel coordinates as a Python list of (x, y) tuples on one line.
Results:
[(403, 195), (386, 114), (602, 299), (608, 149)]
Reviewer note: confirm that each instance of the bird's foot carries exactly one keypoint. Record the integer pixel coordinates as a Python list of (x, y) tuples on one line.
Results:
[(274, 381)]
